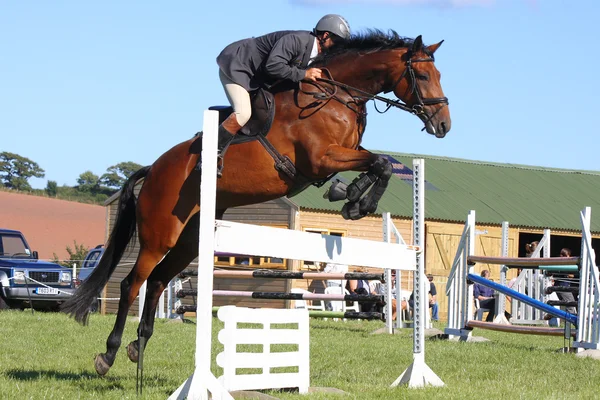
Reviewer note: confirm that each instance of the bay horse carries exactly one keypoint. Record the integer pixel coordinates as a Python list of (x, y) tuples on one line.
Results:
[(319, 132)]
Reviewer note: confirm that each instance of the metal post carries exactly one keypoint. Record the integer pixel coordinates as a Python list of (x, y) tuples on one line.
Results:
[(501, 299), (387, 220), (419, 374)]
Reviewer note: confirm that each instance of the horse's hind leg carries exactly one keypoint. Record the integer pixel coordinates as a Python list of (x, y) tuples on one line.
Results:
[(130, 287), (180, 256)]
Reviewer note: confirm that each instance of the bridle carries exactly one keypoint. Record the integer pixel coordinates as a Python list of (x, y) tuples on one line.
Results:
[(418, 108)]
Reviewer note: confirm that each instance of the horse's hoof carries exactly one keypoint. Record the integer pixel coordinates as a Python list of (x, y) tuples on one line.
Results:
[(101, 365), (132, 351)]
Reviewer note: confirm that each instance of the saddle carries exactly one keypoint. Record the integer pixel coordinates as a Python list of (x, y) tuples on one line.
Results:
[(257, 128), (263, 113)]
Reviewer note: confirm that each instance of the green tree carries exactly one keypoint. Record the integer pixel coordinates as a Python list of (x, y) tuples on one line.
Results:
[(88, 182), (116, 175), (15, 171), (77, 254), (51, 188)]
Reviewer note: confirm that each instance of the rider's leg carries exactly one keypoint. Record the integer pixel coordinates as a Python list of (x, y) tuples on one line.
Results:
[(240, 101)]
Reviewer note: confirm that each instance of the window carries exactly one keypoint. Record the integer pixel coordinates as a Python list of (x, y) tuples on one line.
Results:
[(91, 260), (13, 244), (255, 262), (310, 265)]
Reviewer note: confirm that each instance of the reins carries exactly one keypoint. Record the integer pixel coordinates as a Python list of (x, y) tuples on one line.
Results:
[(416, 109)]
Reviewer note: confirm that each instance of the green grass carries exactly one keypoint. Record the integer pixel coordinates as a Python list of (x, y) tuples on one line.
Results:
[(48, 356)]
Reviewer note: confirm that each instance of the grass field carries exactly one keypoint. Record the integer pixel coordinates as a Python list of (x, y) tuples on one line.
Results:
[(48, 356)]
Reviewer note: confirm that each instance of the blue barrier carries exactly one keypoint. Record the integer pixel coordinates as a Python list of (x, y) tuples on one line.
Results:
[(525, 299)]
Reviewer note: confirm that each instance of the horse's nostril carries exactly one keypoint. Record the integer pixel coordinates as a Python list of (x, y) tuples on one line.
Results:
[(444, 129)]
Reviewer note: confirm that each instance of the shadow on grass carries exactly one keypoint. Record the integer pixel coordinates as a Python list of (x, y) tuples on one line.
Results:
[(30, 375), (85, 380), (341, 327)]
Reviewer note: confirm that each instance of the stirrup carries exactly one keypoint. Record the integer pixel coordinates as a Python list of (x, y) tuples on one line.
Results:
[(220, 164)]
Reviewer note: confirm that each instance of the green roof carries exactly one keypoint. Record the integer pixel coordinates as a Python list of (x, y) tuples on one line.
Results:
[(525, 196)]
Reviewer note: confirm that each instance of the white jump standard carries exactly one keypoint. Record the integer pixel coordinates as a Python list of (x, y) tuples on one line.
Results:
[(460, 292), (229, 237)]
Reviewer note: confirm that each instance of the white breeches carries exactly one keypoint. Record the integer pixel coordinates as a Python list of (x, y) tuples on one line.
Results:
[(239, 99)]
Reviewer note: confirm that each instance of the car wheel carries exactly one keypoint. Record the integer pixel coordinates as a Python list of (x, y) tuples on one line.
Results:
[(3, 304)]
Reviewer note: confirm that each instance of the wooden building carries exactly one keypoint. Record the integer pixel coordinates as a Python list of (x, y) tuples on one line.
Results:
[(530, 198)]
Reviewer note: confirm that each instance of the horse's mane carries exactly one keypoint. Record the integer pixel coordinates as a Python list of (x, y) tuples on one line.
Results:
[(371, 40)]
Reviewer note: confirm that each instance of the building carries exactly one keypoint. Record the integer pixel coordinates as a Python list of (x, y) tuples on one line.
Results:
[(530, 198), (50, 225)]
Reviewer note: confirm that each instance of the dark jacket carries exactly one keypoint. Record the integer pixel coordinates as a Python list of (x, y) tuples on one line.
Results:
[(266, 59)]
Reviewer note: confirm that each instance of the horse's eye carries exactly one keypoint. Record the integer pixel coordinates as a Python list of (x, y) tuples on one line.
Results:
[(423, 77)]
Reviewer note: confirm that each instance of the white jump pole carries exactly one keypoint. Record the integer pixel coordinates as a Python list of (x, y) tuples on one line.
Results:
[(202, 384), (418, 374)]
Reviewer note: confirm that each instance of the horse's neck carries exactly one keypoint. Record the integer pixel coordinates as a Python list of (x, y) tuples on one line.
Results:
[(368, 72)]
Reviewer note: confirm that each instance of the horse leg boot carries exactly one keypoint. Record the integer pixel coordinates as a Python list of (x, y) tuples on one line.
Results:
[(227, 131)]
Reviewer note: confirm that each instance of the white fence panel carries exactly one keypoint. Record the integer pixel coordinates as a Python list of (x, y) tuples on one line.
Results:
[(231, 360)]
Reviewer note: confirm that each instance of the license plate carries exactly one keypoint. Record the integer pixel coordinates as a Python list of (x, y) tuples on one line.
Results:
[(46, 290)]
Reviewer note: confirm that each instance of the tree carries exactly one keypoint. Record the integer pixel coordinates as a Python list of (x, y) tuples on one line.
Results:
[(88, 182), (51, 188), (76, 255), (15, 171), (116, 175)]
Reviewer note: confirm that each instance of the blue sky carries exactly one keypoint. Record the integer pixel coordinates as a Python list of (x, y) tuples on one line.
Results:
[(86, 85)]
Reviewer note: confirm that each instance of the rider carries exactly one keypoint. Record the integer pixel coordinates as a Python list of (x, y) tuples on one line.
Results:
[(246, 64)]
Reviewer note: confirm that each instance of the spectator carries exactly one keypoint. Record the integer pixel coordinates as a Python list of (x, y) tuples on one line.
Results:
[(530, 248), (332, 268), (361, 286), (378, 288), (485, 295), (432, 299), (562, 282)]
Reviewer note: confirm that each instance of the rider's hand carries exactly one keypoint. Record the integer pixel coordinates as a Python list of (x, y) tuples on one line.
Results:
[(312, 74)]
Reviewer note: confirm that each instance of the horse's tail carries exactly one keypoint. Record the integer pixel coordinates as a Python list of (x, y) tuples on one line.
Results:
[(78, 306)]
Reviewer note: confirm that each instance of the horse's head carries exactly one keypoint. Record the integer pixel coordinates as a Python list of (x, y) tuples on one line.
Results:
[(416, 81), (373, 62)]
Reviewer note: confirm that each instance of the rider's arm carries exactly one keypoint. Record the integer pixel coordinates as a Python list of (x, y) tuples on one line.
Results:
[(278, 63)]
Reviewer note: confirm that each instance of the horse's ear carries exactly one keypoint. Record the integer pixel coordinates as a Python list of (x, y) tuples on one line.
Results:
[(417, 44), (432, 49)]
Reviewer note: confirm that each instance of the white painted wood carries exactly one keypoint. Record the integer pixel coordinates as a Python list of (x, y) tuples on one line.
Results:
[(231, 359), (202, 384), (238, 238), (588, 332)]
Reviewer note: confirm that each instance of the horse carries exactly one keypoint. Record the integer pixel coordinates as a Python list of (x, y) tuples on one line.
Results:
[(316, 133)]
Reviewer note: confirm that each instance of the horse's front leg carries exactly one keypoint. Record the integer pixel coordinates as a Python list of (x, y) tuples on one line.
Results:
[(378, 172)]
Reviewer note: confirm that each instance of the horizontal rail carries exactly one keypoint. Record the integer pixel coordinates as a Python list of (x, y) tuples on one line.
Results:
[(347, 315), (562, 289), (562, 303), (525, 330), (363, 298), (315, 314), (549, 268), (524, 299), (523, 261), (261, 273)]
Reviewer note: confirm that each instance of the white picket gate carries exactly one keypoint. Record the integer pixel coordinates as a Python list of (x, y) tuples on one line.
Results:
[(269, 361)]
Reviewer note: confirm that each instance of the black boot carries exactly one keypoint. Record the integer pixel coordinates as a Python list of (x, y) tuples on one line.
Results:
[(227, 131), (225, 138)]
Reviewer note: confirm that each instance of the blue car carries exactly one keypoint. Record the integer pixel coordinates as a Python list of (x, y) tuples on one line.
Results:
[(91, 260), (25, 281)]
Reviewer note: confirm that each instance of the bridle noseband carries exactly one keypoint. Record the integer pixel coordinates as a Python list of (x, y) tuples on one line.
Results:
[(417, 108)]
